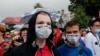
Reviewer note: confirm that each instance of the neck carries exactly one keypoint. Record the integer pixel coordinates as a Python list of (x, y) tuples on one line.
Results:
[(72, 45), (93, 33), (41, 42), (24, 38)]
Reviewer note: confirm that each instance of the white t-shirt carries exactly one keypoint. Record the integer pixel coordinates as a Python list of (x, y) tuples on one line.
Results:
[(83, 38), (93, 42)]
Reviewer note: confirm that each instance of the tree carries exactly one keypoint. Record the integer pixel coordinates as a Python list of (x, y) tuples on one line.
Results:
[(9, 26), (91, 6), (38, 5), (84, 10), (80, 16)]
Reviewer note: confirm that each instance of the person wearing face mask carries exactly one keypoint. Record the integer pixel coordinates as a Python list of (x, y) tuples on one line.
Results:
[(92, 39), (99, 34), (39, 37), (72, 46)]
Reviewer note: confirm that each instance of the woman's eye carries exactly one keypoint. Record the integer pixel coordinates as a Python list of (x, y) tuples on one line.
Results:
[(49, 27), (40, 23), (48, 23), (39, 26)]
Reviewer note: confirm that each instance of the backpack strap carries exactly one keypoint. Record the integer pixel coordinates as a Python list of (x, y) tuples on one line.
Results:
[(81, 51)]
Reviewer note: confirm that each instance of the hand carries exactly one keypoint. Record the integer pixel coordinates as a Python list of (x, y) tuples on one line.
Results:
[(16, 41), (15, 38)]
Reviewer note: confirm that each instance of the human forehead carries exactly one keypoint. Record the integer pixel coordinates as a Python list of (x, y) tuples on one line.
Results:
[(24, 30), (97, 23), (43, 18), (72, 28)]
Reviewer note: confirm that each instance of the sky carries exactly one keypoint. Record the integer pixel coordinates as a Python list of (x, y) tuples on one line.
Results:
[(19, 7)]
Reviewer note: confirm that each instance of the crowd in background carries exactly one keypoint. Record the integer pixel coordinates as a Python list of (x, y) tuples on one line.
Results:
[(67, 42)]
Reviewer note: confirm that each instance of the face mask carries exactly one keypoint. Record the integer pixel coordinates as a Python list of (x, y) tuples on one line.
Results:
[(97, 30), (43, 31), (73, 38)]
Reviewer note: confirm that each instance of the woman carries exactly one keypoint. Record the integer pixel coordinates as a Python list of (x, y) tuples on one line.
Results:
[(23, 33), (3, 44), (39, 37)]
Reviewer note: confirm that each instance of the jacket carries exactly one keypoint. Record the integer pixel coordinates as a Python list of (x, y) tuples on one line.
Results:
[(28, 49)]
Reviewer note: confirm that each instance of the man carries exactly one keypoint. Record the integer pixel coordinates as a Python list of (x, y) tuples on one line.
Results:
[(73, 47), (92, 40)]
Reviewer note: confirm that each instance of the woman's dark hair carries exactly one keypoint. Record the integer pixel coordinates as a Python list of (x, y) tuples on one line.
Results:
[(91, 22), (25, 28), (31, 36)]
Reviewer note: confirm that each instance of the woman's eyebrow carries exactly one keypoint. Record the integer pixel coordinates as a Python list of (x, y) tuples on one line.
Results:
[(40, 22)]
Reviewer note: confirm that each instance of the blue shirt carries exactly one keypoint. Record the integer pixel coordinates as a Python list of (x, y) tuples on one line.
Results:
[(82, 42), (73, 51)]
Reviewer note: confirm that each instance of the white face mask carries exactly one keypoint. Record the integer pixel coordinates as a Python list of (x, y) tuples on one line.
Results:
[(43, 31), (97, 30), (73, 38)]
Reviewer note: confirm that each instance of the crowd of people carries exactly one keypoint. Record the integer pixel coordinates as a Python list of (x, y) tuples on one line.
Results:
[(43, 38)]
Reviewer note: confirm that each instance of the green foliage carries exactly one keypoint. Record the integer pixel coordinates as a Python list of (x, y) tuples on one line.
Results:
[(81, 16), (10, 26), (86, 1), (84, 10), (91, 6), (38, 5)]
